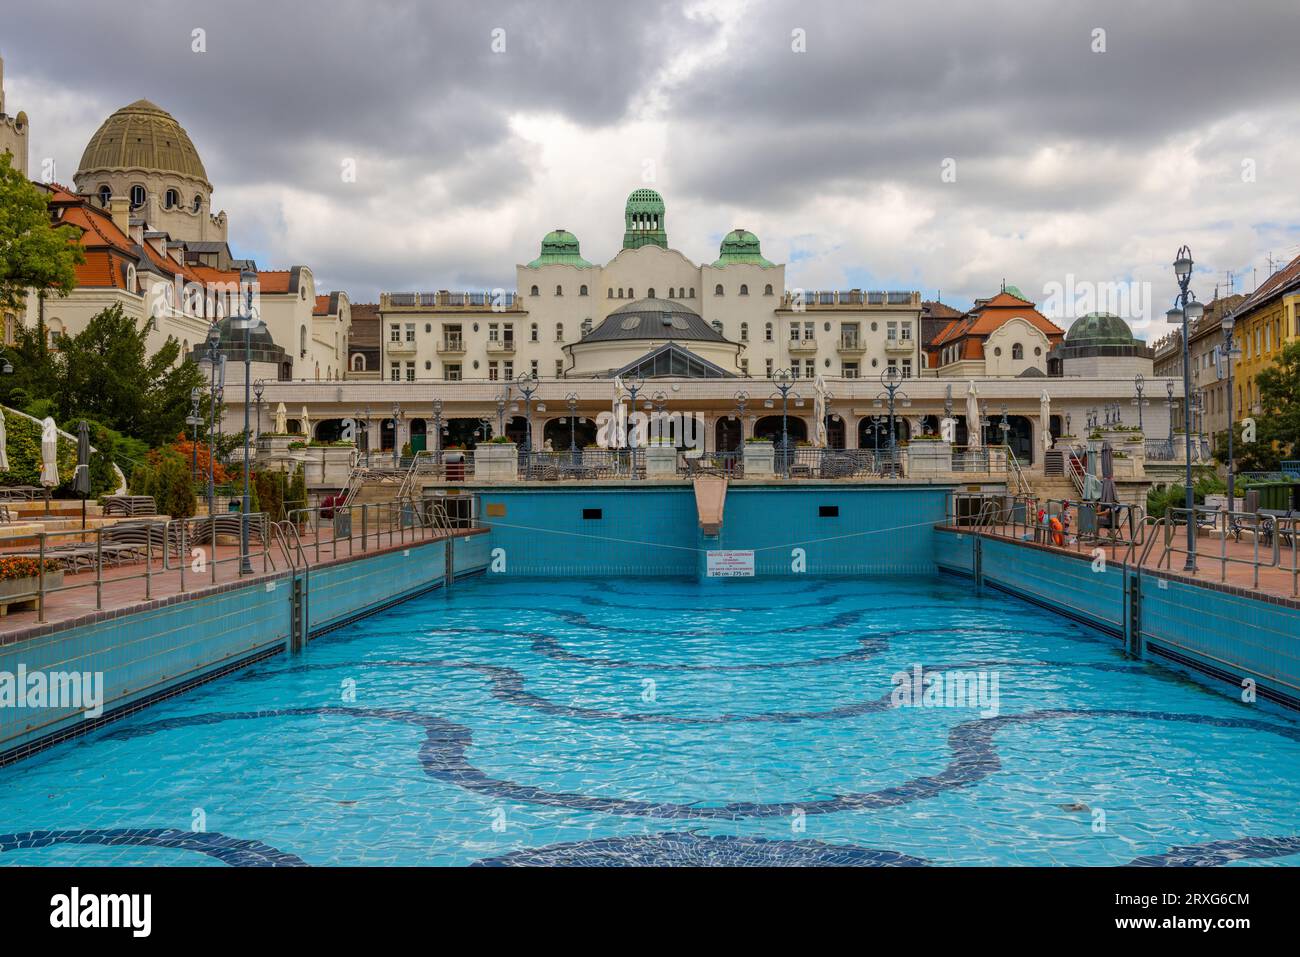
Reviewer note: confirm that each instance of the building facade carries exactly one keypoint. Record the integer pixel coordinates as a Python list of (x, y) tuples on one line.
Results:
[(15, 131)]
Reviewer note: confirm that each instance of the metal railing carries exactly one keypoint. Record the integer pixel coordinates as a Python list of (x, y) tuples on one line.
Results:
[(1273, 540), (836, 463), (586, 463), (171, 556)]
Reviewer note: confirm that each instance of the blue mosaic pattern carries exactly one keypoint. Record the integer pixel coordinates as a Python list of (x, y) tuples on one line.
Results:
[(701, 850), (228, 850), (520, 704)]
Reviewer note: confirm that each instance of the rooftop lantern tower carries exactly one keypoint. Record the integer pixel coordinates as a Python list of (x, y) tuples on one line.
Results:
[(644, 220)]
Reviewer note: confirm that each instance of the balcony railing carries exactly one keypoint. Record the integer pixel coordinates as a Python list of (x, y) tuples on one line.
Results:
[(851, 344), (403, 346), (451, 344), (849, 298), (444, 299), (500, 346), (803, 345), (899, 345), (582, 464)]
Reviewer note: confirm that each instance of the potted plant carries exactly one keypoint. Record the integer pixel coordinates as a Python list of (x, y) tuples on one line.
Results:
[(20, 579)]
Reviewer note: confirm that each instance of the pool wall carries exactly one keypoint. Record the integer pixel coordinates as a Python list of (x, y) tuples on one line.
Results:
[(159, 649), (1219, 631), (654, 531)]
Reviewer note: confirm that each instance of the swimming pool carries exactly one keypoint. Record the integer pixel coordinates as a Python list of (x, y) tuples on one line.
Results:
[(675, 721)]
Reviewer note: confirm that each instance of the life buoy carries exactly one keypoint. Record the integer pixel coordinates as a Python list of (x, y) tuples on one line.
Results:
[(1058, 530)]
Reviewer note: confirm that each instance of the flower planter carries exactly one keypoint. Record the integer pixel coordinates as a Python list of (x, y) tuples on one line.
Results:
[(496, 462), (927, 457), (760, 459), (23, 591), (660, 461)]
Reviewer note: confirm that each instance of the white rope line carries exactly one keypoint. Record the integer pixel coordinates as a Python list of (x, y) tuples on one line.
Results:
[(691, 548)]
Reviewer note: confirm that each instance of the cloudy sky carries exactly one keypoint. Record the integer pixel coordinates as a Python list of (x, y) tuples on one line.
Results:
[(925, 144)]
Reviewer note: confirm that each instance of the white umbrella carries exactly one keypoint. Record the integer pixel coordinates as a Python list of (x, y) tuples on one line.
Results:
[(1045, 419), (819, 412), (282, 419), (615, 432), (973, 437), (306, 426), (49, 453), (4, 440)]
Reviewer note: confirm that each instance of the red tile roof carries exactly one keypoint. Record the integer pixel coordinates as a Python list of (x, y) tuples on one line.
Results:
[(1272, 286)]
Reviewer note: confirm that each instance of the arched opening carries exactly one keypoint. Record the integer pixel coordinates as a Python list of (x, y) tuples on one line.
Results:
[(1019, 436), (386, 435), (769, 427), (873, 431), (419, 436), (517, 429), (358, 362), (836, 431), (556, 435), (464, 433), (727, 434), (328, 430)]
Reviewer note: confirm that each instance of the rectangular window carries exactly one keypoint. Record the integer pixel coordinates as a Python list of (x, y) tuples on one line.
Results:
[(494, 332), (395, 372), (849, 370), (810, 368), (410, 372), (768, 363), (494, 372), (508, 369), (592, 514), (891, 331), (508, 332), (744, 367), (532, 366), (808, 331), (767, 332), (905, 331), (533, 332), (410, 332), (559, 368), (907, 368), (394, 333), (451, 372), (828, 511)]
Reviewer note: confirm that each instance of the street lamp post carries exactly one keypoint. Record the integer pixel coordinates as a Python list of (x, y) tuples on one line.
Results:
[(1138, 400), (783, 383), (572, 401), (527, 386), (1186, 316), (214, 355), (194, 420), (1169, 390), (246, 322), (658, 405), (366, 430), (1229, 324), (502, 400), (890, 379), (1004, 425), (437, 428), (397, 432)]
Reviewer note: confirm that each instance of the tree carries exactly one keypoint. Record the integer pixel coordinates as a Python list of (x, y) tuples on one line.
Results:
[(106, 373), (1279, 398), (33, 253)]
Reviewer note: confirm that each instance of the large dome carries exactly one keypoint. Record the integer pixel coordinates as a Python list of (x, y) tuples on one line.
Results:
[(1100, 329), (142, 136), (654, 319)]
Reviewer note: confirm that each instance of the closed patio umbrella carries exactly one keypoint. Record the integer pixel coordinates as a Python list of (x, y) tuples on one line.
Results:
[(1108, 492), (282, 420), (81, 481), (4, 441), (1045, 419), (819, 412), (974, 439), (49, 457)]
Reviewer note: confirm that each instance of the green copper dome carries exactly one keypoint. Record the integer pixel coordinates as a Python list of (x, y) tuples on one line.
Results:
[(643, 219), (740, 246), (560, 246), (1015, 291), (1100, 329)]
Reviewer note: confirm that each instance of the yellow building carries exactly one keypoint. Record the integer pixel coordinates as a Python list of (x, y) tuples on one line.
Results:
[(1268, 320)]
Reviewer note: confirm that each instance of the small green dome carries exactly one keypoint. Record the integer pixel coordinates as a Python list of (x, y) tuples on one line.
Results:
[(1100, 329), (643, 220), (645, 201), (560, 246), (1015, 291), (740, 246)]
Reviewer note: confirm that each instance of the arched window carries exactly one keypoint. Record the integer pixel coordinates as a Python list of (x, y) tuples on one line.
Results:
[(744, 332), (171, 199), (582, 290), (358, 362), (744, 289), (651, 292), (302, 340), (620, 292), (717, 290), (559, 290), (767, 290), (629, 293), (105, 195), (532, 332), (767, 332), (137, 196), (1017, 351), (586, 327), (533, 291), (691, 295), (198, 202)]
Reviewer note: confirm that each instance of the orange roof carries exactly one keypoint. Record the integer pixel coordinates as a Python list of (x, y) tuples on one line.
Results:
[(274, 280), (991, 314), (322, 306), (101, 269), (1272, 285)]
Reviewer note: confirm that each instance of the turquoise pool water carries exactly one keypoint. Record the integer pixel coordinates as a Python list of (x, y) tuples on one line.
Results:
[(580, 721)]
